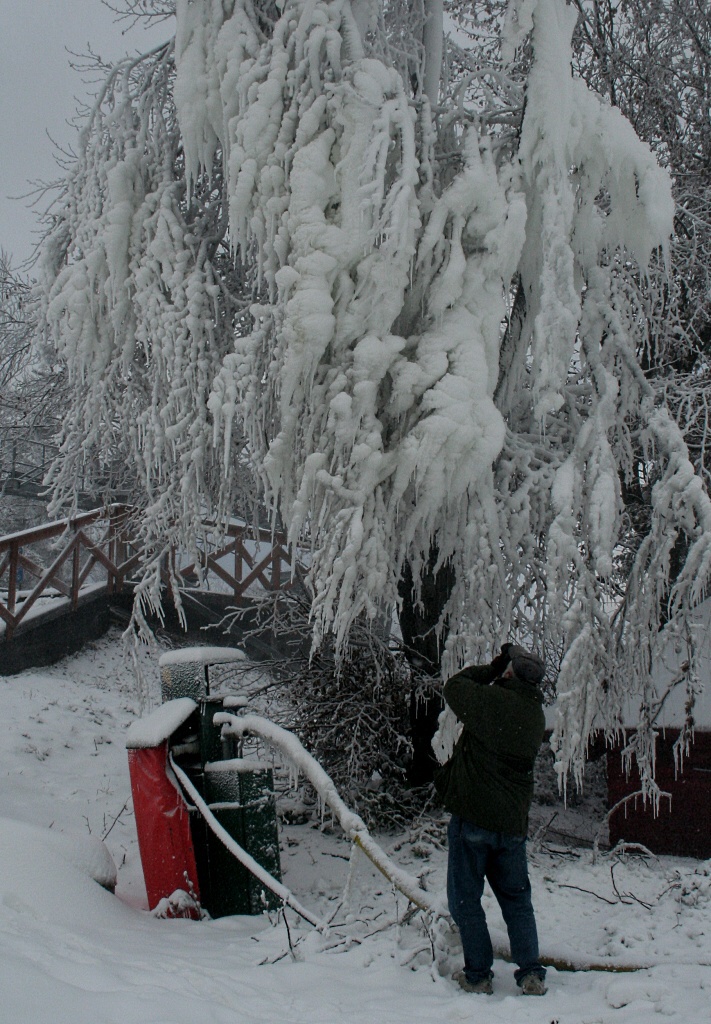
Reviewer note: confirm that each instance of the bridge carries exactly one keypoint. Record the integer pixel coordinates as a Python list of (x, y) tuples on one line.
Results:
[(53, 571)]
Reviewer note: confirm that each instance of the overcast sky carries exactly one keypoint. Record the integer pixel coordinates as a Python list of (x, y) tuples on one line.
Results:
[(38, 91)]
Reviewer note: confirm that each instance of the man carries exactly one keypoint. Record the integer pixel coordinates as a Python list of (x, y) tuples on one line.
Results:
[(487, 785)]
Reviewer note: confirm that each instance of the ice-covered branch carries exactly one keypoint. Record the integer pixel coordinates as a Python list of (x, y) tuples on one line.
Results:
[(352, 824)]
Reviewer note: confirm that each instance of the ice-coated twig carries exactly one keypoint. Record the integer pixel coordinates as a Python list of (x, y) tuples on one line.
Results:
[(616, 807), (108, 830)]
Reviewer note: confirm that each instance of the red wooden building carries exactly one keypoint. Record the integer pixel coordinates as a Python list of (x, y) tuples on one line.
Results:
[(682, 825)]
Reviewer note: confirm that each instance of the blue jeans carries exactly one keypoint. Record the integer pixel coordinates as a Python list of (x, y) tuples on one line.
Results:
[(474, 855)]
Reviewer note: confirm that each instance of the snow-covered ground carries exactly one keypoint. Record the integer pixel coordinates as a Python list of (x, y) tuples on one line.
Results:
[(72, 952)]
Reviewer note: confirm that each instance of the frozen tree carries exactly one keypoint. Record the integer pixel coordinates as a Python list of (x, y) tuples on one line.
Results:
[(31, 389), (412, 287), (16, 325), (653, 60), (143, 297)]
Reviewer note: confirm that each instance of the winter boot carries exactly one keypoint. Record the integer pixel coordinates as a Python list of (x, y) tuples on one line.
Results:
[(483, 987), (533, 985)]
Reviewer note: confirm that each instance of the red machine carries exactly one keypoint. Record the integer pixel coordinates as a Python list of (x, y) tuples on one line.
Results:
[(162, 819)]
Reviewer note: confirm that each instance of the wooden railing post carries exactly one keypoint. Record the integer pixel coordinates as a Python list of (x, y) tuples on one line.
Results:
[(239, 562), (76, 568), (276, 565), (12, 580), (238, 565)]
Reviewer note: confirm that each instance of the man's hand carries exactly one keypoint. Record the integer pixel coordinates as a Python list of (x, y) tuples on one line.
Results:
[(500, 662)]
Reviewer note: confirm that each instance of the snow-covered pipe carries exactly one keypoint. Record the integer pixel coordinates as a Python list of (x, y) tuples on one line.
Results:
[(351, 823)]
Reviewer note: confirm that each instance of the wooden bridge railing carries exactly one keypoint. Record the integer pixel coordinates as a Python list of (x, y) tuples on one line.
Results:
[(90, 541), (64, 559), (257, 558)]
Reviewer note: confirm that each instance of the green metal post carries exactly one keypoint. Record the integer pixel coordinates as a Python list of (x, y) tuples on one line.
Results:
[(229, 880), (261, 836), (183, 679), (210, 738)]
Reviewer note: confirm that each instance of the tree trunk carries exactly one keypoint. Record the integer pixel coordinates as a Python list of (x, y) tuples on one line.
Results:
[(423, 648), (433, 41)]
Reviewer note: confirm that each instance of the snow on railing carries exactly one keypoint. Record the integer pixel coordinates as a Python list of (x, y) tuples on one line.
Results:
[(241, 558)]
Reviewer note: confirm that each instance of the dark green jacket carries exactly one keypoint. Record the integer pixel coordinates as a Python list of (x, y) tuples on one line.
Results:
[(489, 778)]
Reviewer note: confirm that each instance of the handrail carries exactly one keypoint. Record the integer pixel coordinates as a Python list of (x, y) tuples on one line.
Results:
[(83, 552), (240, 854), (57, 527), (117, 553), (17, 465), (289, 745)]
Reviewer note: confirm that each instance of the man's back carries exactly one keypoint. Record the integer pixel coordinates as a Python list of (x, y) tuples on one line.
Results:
[(489, 778)]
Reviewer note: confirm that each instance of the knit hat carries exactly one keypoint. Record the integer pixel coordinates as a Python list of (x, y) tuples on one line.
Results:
[(526, 665)]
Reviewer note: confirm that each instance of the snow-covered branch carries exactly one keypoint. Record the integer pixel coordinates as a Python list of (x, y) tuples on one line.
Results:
[(352, 824)]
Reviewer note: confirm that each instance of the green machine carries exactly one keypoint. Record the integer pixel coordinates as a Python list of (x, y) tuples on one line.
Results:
[(238, 789)]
